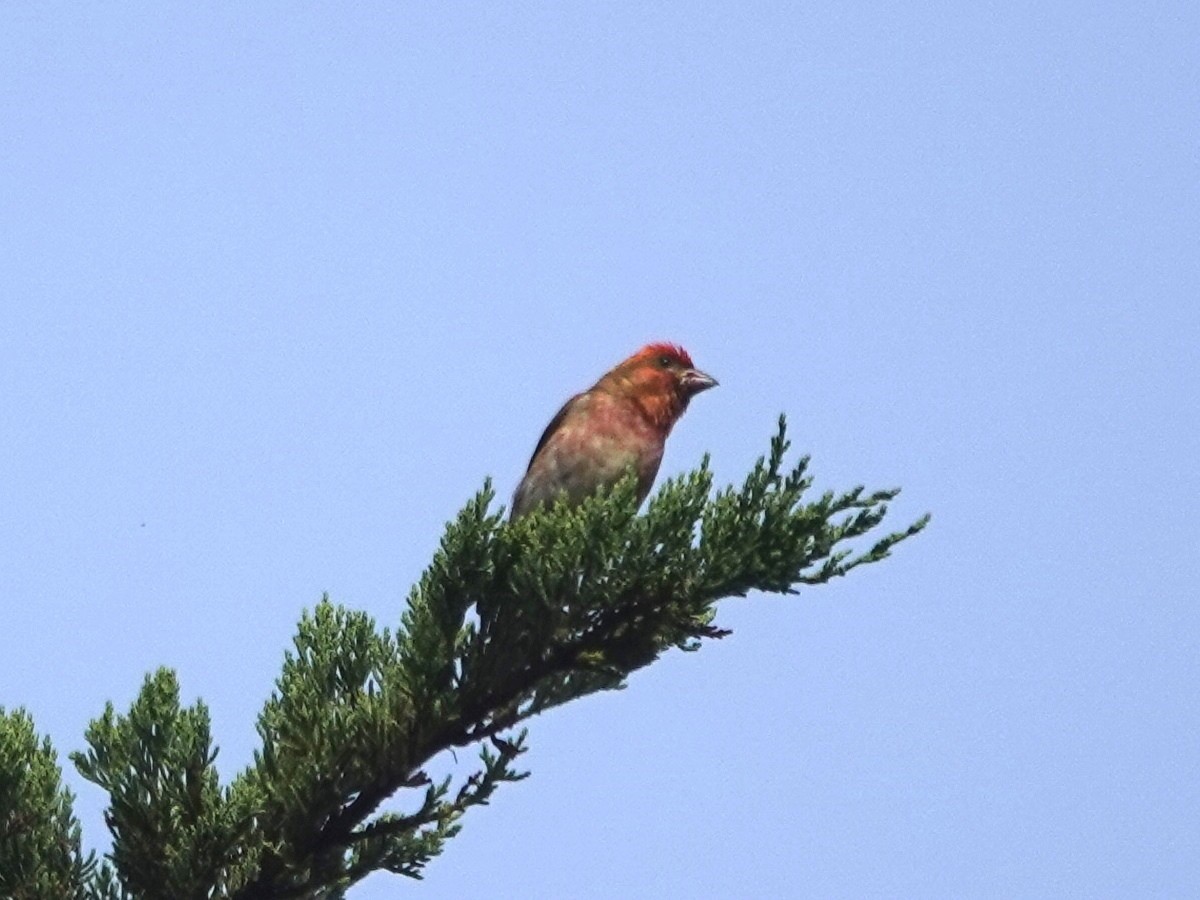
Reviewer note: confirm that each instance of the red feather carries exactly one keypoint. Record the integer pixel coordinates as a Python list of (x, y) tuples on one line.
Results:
[(618, 425), (663, 348)]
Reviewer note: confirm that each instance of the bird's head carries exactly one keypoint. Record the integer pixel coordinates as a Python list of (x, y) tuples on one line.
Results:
[(662, 378)]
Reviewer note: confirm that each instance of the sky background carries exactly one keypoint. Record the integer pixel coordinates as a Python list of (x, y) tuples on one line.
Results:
[(283, 283)]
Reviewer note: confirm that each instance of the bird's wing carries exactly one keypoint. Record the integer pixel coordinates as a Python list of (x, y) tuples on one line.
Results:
[(554, 424)]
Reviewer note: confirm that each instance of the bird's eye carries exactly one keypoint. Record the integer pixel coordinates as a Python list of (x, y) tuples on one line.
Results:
[(665, 361)]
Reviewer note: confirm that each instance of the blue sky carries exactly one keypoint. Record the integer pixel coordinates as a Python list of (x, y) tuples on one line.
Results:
[(284, 283)]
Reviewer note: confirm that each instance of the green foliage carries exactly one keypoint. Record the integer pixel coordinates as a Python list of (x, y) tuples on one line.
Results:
[(176, 834), (509, 620), (40, 853)]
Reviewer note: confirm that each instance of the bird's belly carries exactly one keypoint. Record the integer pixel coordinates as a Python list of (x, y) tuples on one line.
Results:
[(592, 453), (604, 458)]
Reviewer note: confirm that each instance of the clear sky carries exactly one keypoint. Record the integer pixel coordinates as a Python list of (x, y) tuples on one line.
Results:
[(283, 283)]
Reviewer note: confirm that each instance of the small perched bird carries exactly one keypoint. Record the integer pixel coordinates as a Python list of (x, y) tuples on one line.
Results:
[(618, 424)]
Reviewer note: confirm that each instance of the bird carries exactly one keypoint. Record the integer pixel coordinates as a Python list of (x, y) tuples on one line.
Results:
[(620, 423)]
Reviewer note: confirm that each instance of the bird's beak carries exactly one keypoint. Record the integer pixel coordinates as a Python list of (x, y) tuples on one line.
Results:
[(694, 381)]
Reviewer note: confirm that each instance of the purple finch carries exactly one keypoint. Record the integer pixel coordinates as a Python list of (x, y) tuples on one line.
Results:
[(620, 423)]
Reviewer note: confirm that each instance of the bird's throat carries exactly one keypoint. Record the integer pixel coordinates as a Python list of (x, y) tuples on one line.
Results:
[(661, 409)]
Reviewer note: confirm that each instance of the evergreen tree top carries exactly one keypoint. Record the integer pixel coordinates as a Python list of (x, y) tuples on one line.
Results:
[(508, 621)]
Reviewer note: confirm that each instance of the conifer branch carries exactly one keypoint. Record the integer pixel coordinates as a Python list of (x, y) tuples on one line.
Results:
[(508, 621)]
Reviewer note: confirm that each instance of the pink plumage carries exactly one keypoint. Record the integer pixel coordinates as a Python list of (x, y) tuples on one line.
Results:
[(619, 424)]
